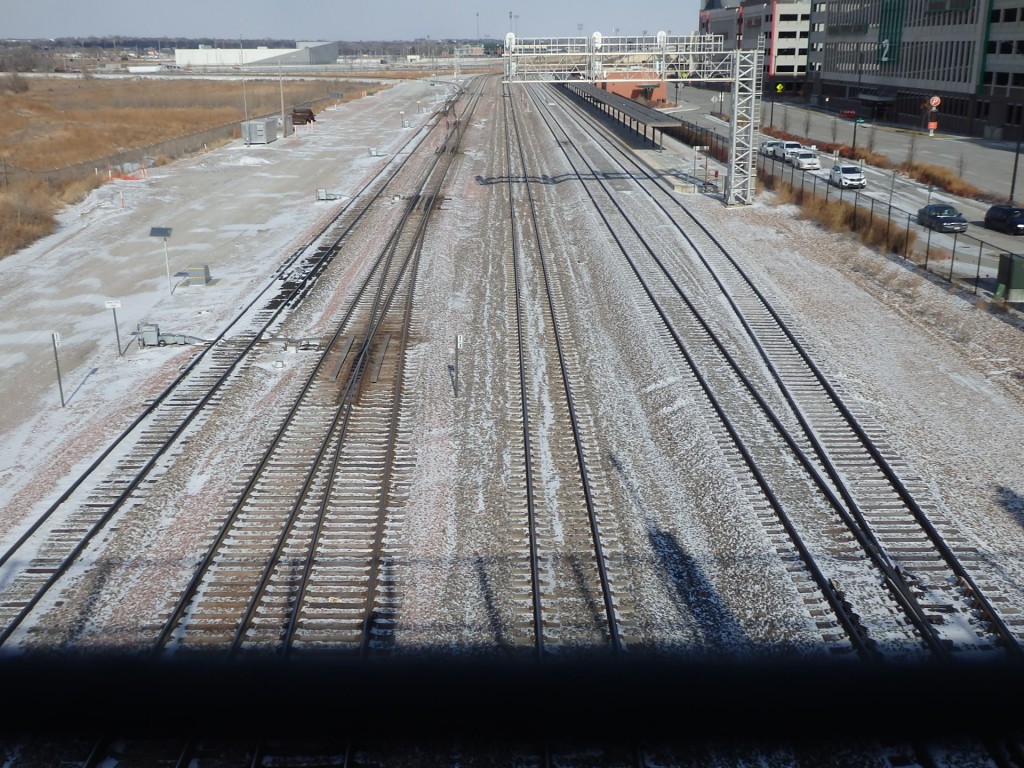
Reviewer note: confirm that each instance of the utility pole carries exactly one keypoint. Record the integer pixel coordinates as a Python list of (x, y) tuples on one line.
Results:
[(241, 68), (1016, 159), (280, 80), (55, 337)]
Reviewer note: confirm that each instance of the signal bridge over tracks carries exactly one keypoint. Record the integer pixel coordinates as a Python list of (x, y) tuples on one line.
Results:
[(661, 58)]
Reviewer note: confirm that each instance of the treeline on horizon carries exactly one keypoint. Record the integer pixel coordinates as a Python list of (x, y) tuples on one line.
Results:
[(40, 55), (115, 43)]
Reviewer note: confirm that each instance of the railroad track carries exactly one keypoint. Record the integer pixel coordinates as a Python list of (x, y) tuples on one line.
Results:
[(309, 554), (122, 484), (882, 580), (572, 601), (825, 465), (302, 562)]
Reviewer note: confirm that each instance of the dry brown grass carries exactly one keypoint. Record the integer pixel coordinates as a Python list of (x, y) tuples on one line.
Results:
[(59, 122), (27, 215), (943, 178), (841, 216)]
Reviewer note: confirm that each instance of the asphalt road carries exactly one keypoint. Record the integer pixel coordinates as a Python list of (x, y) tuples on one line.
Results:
[(986, 164)]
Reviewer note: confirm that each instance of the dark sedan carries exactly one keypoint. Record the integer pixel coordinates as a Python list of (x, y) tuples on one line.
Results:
[(1005, 218), (942, 218)]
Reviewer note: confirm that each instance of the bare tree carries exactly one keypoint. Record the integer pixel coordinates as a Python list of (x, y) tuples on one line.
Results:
[(19, 59), (835, 130), (871, 139), (807, 122), (13, 82), (912, 149), (785, 119), (960, 166)]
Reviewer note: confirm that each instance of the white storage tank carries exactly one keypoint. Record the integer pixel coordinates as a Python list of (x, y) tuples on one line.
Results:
[(262, 131)]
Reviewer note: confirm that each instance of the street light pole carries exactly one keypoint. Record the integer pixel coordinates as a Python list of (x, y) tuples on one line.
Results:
[(241, 68), (167, 266), (55, 337), (164, 232), (280, 80), (1016, 159)]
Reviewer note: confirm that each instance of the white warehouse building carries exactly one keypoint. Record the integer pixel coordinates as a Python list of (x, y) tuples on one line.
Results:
[(206, 57)]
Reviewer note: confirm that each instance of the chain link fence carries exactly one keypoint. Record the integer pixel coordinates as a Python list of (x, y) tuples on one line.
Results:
[(955, 257), (128, 163), (133, 162)]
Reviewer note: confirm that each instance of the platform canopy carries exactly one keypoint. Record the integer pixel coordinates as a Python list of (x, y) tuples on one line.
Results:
[(652, 118)]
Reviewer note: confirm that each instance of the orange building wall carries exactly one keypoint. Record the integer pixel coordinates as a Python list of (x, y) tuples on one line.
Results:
[(637, 90)]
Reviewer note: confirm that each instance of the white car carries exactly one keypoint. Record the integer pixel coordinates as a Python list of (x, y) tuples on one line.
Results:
[(847, 175), (768, 148), (805, 160)]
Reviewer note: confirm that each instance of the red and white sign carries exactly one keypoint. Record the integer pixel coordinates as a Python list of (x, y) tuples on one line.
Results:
[(935, 101)]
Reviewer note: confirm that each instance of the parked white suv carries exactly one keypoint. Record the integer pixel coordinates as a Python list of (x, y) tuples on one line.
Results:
[(847, 175)]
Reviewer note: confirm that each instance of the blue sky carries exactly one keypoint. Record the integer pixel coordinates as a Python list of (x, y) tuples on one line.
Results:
[(339, 19)]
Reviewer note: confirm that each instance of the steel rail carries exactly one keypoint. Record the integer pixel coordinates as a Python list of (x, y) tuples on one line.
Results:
[(375, 280), (999, 628), (826, 586), (595, 531)]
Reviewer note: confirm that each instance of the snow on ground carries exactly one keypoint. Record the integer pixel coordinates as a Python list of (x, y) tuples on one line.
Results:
[(240, 210), (939, 372), (942, 377)]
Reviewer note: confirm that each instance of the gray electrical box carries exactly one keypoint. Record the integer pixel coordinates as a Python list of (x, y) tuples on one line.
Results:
[(149, 335), (262, 131), (198, 274), (1010, 285)]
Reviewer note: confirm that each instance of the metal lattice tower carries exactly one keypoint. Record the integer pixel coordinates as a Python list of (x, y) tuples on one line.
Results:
[(746, 96), (658, 59)]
